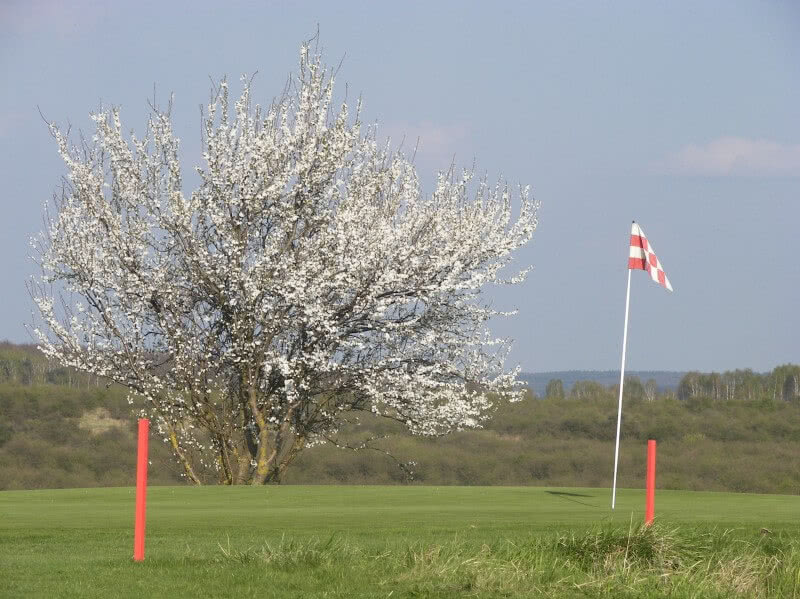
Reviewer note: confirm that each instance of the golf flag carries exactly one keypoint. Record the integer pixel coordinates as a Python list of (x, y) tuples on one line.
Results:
[(643, 257)]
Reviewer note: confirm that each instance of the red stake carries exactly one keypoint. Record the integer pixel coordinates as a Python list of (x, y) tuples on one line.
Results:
[(650, 507), (141, 491)]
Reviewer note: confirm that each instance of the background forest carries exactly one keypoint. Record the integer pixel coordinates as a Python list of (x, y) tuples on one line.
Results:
[(732, 431)]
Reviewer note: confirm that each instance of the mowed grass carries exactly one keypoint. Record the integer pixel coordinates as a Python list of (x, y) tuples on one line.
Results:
[(369, 541)]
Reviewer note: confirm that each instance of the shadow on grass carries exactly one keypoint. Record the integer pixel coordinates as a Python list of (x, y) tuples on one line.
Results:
[(571, 496)]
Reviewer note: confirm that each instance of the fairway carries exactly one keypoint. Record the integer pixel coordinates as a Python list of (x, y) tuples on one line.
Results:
[(201, 541)]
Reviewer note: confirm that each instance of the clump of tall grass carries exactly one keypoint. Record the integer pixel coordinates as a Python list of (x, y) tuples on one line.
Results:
[(290, 553), (604, 561), (608, 548), (711, 563)]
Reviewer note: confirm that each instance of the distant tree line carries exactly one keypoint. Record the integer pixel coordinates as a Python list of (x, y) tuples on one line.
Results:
[(634, 389), (782, 383), (24, 364)]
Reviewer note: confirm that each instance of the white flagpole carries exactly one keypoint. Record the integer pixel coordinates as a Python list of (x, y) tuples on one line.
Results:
[(621, 381)]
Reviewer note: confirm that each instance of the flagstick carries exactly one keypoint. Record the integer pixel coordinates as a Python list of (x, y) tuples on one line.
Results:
[(621, 382)]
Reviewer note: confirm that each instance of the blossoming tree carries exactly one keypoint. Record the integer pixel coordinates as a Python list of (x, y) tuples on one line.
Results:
[(305, 279)]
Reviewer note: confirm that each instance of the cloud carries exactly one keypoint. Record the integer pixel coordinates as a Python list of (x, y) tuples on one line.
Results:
[(735, 156), (436, 145)]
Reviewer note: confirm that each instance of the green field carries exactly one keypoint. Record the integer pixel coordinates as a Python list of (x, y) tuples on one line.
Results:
[(373, 541)]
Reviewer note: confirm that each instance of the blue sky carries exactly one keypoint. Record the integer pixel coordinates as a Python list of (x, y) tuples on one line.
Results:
[(681, 115)]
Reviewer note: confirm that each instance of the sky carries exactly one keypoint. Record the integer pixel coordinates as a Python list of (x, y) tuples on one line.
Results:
[(683, 116)]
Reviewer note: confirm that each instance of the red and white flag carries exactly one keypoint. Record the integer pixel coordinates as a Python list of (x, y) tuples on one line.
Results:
[(643, 257)]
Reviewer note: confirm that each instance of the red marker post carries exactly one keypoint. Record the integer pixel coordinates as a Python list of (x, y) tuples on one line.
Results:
[(650, 505), (141, 491)]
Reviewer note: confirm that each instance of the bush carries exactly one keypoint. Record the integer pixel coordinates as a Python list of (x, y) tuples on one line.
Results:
[(703, 445)]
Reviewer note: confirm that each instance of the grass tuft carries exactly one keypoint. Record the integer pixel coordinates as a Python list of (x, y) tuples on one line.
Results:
[(288, 554)]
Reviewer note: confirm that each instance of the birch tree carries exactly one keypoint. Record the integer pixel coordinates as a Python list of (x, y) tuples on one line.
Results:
[(304, 280)]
